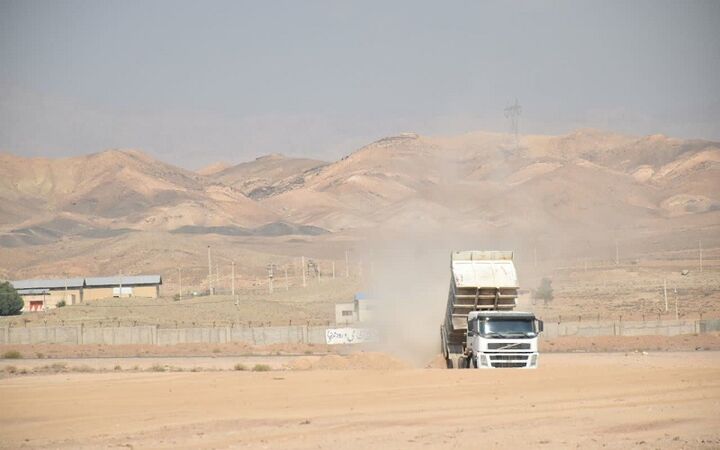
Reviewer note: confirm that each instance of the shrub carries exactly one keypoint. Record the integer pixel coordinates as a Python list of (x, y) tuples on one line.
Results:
[(60, 304), (240, 366), (117, 368), (545, 291), (10, 369), (12, 354), (58, 367), (11, 303), (157, 368), (261, 368)]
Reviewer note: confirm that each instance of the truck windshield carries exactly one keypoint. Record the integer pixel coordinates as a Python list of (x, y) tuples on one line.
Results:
[(507, 328)]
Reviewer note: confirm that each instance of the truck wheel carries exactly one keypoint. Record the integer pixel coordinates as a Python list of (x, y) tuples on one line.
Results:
[(448, 363), (473, 361), (462, 362), (443, 343)]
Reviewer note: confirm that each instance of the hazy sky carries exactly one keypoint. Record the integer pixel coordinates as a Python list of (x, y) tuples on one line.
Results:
[(195, 82)]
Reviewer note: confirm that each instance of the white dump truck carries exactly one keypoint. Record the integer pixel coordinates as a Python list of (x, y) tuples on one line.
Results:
[(480, 328)]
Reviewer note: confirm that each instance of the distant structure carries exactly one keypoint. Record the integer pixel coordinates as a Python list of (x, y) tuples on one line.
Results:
[(41, 295), (360, 310), (513, 112)]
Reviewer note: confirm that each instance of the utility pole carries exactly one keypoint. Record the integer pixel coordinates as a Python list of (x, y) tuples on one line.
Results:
[(665, 293), (232, 264), (347, 265), (701, 261), (513, 112), (179, 283), (210, 289), (303, 271), (217, 275), (677, 314), (617, 253)]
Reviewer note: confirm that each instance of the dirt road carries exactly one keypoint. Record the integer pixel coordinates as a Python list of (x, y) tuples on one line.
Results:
[(668, 400)]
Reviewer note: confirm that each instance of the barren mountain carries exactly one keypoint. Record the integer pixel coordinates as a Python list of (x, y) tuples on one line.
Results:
[(267, 175), (113, 190), (479, 188), (582, 182)]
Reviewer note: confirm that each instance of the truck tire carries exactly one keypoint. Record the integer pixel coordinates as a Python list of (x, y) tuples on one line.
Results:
[(462, 362), (443, 343), (448, 363), (473, 361)]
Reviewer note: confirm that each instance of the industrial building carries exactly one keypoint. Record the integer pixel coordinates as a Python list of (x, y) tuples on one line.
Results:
[(39, 295), (122, 286), (360, 310)]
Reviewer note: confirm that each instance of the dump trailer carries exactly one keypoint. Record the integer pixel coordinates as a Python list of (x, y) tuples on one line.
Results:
[(481, 328)]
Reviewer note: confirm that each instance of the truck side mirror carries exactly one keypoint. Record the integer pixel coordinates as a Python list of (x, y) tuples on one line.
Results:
[(540, 326)]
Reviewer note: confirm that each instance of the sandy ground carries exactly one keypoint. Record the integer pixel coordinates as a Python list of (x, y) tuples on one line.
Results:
[(659, 400)]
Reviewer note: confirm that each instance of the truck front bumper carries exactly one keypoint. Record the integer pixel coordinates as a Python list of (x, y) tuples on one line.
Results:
[(507, 360)]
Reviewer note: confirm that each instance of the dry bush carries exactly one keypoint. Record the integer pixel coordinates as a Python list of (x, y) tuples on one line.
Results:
[(12, 354), (261, 368)]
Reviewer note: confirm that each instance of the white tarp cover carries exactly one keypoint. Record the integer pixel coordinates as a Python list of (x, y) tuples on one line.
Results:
[(335, 336), (485, 273)]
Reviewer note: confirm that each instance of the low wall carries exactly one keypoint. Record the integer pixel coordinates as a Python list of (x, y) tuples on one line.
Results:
[(153, 335), (620, 328)]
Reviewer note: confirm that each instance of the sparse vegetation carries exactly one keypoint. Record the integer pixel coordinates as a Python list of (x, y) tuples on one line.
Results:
[(157, 368), (545, 291), (61, 304), (12, 354), (261, 368), (11, 303), (240, 366)]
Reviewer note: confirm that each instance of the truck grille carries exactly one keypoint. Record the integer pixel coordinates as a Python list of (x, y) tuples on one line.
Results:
[(509, 357), (509, 360), (509, 346), (508, 364)]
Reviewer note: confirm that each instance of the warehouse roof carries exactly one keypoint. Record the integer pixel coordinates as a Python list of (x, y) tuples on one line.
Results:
[(33, 291), (71, 283), (123, 280)]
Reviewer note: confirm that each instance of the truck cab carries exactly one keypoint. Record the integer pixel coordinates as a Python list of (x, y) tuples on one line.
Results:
[(501, 339)]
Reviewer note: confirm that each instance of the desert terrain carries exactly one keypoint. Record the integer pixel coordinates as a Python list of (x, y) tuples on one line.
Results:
[(627, 228), (573, 400)]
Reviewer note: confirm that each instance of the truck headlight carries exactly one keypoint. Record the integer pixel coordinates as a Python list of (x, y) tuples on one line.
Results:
[(483, 361), (533, 361)]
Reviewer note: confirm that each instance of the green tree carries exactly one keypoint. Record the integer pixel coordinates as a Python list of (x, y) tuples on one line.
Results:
[(545, 291), (10, 301)]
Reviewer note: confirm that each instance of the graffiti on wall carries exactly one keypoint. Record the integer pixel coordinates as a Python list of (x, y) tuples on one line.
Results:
[(335, 336)]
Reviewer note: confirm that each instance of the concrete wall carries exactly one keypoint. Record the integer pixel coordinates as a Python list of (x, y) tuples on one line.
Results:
[(617, 328), (96, 293), (153, 335)]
